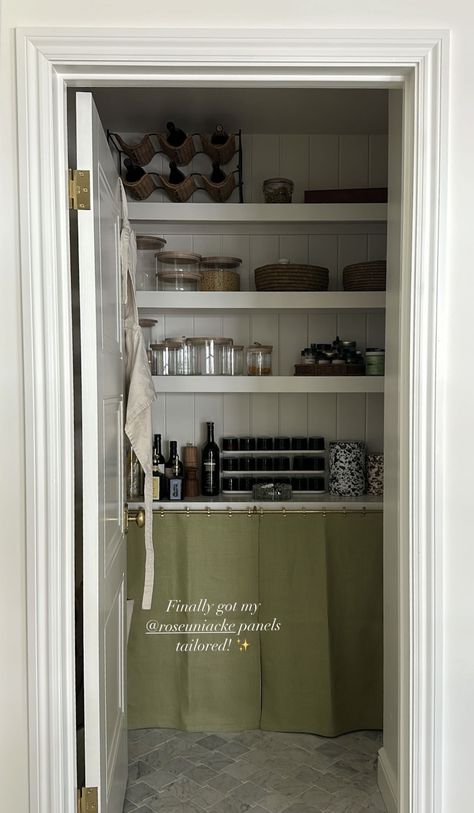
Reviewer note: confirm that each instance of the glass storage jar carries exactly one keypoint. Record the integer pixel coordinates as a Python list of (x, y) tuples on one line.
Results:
[(208, 352), (259, 359), (177, 271), (184, 357), (233, 359), (375, 361), (220, 274), (147, 244), (163, 358)]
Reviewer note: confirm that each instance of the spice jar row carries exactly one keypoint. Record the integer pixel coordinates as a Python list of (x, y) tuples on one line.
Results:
[(209, 355), (341, 357)]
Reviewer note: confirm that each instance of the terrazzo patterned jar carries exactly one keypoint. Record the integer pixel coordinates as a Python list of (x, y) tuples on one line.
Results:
[(375, 474), (347, 468)]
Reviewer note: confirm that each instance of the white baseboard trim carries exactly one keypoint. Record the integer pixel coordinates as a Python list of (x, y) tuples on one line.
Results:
[(387, 782)]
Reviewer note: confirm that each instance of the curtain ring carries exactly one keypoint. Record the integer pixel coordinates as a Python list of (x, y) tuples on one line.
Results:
[(208, 511), (283, 510), (249, 513), (162, 513), (229, 512), (187, 511)]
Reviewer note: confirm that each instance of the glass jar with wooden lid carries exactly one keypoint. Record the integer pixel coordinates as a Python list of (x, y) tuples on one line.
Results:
[(177, 271), (219, 274), (259, 359), (208, 353)]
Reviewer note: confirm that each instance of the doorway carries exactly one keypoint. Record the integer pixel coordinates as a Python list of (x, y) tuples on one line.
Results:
[(413, 402)]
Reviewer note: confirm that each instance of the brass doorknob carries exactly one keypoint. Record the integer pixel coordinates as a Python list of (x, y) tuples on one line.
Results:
[(134, 515)]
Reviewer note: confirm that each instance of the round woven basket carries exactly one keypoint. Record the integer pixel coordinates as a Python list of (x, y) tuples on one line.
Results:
[(291, 277), (369, 276)]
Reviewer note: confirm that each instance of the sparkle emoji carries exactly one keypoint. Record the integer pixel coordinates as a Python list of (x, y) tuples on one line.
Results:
[(243, 645)]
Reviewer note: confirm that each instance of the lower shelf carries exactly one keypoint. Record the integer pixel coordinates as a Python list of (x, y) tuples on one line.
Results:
[(270, 383)]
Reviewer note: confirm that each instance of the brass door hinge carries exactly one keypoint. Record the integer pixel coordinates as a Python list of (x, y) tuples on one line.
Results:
[(79, 190), (87, 800)]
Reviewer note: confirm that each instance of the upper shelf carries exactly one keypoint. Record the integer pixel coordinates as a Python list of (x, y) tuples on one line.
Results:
[(258, 212), (261, 300)]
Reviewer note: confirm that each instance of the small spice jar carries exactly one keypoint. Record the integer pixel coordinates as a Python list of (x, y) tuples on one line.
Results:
[(177, 271), (259, 359), (230, 444), (162, 359), (278, 190), (374, 361)]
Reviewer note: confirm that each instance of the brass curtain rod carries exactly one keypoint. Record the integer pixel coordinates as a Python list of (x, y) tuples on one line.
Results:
[(138, 515)]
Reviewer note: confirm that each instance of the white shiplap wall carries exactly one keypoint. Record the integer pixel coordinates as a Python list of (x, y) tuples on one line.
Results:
[(312, 162)]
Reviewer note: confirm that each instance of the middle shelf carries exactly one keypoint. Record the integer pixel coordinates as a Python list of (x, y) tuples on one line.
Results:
[(271, 383), (330, 301)]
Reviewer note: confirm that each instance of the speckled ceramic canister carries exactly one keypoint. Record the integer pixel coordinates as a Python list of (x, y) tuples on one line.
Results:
[(347, 468), (375, 474)]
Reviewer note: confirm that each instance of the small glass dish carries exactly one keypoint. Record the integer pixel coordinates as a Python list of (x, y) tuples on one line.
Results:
[(272, 492), (278, 190)]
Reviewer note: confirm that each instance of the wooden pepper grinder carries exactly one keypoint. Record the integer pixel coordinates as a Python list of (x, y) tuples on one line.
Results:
[(191, 466)]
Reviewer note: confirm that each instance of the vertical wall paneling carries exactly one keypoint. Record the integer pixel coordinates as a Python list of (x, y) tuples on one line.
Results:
[(264, 409), (377, 246), (322, 415), (353, 161), (294, 163), (264, 249), (323, 162), (265, 162), (351, 416), (323, 250), (294, 247), (207, 407), (236, 415), (293, 414), (352, 248), (374, 419), (238, 245), (378, 152), (293, 338)]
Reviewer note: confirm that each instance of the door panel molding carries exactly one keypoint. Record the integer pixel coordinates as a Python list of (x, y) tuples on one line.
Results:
[(50, 60)]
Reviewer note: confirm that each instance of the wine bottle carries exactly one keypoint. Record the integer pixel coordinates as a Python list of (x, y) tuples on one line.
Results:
[(158, 469), (174, 473), (217, 175), (219, 135), (134, 172), (175, 176), (175, 136), (210, 468)]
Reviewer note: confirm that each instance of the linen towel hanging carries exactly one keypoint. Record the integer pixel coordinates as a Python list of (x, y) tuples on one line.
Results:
[(140, 391)]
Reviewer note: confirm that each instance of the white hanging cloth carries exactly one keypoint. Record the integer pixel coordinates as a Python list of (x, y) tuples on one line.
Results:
[(140, 391)]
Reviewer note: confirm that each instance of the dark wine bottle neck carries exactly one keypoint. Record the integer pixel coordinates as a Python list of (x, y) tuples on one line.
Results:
[(210, 433)]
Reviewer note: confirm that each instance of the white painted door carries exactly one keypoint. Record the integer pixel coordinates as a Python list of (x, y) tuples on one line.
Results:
[(102, 428)]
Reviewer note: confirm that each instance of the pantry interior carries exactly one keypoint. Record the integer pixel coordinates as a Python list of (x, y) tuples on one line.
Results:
[(321, 139)]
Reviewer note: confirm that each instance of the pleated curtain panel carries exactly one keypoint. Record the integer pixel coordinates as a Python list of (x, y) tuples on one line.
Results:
[(283, 620)]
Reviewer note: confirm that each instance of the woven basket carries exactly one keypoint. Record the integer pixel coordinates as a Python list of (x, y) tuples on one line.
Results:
[(219, 280), (141, 153), (179, 193), (223, 153), (291, 277), (370, 276), (329, 369), (183, 154), (220, 192), (141, 189)]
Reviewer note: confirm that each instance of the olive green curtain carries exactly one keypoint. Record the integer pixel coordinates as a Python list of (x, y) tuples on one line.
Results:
[(318, 577), (197, 557), (323, 576)]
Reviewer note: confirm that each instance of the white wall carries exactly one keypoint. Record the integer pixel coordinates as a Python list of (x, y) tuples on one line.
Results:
[(456, 392)]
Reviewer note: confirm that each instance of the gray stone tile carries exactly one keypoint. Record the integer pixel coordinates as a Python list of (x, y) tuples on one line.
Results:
[(179, 765), (128, 806), (360, 762), (136, 733), (344, 806), (137, 770), (216, 761), (247, 792), (332, 751), (200, 774), (212, 741), (138, 792), (160, 778), (353, 794), (343, 771), (307, 774), (250, 738), (233, 749), (173, 805), (224, 782), (241, 770), (328, 782), (182, 787), (265, 777), (206, 797), (228, 805), (275, 802), (166, 752), (194, 752), (145, 809), (300, 807), (316, 797), (291, 787), (153, 802), (297, 755)]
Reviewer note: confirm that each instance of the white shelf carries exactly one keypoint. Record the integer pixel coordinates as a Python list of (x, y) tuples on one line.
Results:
[(258, 212), (310, 502), (260, 300), (276, 383)]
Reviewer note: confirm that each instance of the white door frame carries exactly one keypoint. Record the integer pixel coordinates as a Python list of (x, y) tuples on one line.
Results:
[(50, 60)]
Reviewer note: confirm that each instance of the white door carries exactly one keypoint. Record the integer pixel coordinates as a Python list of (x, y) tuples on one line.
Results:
[(102, 434)]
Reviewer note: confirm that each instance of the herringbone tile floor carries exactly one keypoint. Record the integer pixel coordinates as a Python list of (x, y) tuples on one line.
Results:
[(260, 771)]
